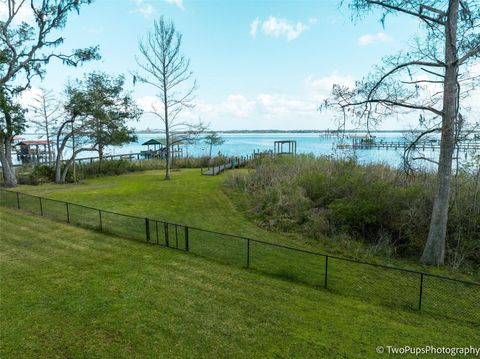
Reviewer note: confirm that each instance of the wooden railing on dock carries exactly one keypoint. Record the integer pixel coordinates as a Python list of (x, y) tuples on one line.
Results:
[(236, 162), (463, 146)]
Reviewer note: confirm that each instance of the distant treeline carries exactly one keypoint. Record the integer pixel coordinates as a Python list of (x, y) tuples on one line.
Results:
[(293, 131), (140, 132)]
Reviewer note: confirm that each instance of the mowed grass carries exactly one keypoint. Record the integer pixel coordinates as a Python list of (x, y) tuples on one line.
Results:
[(188, 198), (68, 292), (203, 202), (195, 200)]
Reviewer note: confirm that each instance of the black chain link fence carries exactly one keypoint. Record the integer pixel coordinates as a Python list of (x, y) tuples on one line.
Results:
[(411, 290)]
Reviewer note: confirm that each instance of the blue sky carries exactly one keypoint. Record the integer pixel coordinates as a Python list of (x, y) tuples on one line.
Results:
[(258, 64)]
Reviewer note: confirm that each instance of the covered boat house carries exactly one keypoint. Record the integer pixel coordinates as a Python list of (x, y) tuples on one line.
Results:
[(157, 148), (32, 150), (286, 147)]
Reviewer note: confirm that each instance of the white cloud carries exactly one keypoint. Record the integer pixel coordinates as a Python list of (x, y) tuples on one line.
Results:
[(146, 10), (473, 100), (254, 27), (27, 98), (3, 11), (474, 69), (238, 105), (178, 3), (262, 110), (24, 14), (234, 106), (279, 27), (150, 104), (369, 39), (321, 88), (143, 8), (283, 106)]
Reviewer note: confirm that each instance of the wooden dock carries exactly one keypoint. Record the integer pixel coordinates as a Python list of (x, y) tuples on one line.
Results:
[(216, 170), (396, 145), (83, 160)]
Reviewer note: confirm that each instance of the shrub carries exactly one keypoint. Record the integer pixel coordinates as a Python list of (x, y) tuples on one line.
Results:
[(375, 204)]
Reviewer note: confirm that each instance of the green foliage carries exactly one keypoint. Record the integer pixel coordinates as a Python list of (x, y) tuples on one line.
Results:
[(205, 202), (213, 139), (375, 204), (101, 101), (12, 117), (44, 173), (27, 48)]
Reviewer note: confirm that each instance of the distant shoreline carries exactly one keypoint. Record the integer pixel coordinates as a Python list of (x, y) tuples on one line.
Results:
[(291, 131), (332, 132)]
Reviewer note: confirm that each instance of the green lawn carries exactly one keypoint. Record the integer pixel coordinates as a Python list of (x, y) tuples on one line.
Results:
[(192, 199), (68, 292), (201, 201), (188, 198)]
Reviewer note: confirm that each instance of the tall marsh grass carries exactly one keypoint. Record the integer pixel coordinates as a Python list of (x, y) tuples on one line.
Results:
[(379, 206)]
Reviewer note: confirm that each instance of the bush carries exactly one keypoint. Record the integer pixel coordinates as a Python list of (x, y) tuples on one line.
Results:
[(375, 204), (45, 173)]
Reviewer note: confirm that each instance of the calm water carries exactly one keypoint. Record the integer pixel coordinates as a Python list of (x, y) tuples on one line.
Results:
[(244, 144)]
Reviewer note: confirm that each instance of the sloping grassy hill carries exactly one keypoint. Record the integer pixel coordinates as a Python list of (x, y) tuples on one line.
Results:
[(71, 293), (198, 201), (187, 198)]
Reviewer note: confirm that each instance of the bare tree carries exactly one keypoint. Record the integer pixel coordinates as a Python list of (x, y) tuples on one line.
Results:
[(47, 112), (431, 78), (25, 50), (168, 71)]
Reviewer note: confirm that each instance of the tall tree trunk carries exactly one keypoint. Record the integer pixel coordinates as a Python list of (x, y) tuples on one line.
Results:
[(60, 148), (100, 157), (58, 167), (168, 154), (167, 132), (65, 170), (8, 171), (49, 148), (58, 160), (434, 252), (47, 132)]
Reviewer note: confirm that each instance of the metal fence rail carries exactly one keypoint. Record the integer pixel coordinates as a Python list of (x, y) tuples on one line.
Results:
[(398, 287)]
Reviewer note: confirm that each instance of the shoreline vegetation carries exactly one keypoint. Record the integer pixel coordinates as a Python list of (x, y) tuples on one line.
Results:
[(368, 208), (336, 205)]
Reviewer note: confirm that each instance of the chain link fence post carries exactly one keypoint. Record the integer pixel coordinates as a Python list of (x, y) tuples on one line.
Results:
[(326, 272), (147, 229), (421, 292), (187, 244)]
